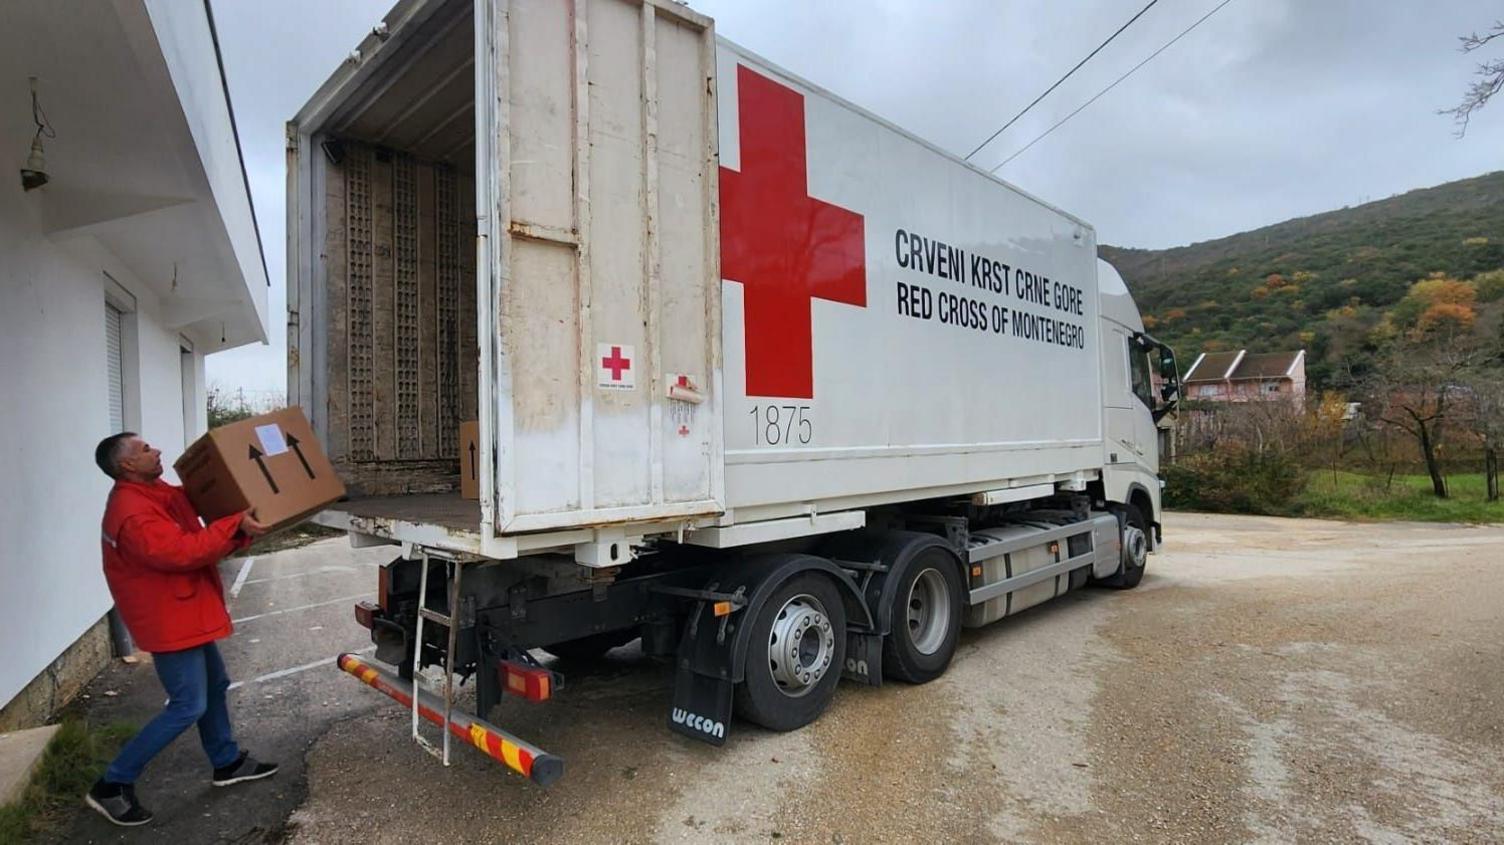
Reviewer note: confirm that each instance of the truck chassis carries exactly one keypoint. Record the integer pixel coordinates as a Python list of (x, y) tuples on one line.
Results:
[(764, 633)]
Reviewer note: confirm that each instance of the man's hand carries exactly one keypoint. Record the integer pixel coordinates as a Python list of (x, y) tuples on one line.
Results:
[(250, 527)]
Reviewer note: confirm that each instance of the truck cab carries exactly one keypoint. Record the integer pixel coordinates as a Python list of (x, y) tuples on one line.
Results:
[(1132, 405)]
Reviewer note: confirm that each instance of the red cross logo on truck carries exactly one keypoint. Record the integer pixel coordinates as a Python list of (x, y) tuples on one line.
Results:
[(785, 247)]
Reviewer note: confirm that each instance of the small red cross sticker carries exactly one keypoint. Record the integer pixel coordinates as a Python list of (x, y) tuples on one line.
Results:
[(616, 363), (785, 247), (615, 371)]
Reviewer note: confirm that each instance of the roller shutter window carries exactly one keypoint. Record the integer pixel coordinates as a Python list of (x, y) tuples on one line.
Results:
[(114, 321)]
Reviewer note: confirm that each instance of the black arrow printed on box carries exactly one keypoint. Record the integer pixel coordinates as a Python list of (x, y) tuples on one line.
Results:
[(472, 461), (292, 443), (258, 457)]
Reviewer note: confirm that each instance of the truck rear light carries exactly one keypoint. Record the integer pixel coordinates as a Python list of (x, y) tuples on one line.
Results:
[(723, 608), (529, 682), (383, 585), (365, 613)]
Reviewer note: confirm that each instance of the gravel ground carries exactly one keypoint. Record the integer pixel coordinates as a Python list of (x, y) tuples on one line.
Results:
[(1271, 680)]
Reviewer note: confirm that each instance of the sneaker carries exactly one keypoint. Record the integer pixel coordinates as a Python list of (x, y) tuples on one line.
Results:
[(243, 769), (117, 802)]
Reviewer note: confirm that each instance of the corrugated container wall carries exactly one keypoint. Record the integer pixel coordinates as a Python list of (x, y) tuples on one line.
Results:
[(400, 285)]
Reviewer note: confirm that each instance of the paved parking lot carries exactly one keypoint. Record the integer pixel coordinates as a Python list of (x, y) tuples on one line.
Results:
[(1271, 680)]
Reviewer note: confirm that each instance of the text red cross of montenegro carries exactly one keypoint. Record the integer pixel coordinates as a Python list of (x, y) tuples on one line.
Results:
[(616, 363), (784, 247)]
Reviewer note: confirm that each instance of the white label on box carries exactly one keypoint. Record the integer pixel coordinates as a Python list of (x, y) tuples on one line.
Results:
[(272, 442)]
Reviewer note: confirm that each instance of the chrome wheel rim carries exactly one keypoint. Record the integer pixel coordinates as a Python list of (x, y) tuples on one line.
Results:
[(800, 645), (1135, 547), (928, 611)]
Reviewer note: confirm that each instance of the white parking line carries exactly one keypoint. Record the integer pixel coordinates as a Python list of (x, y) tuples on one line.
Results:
[(282, 673), (300, 607), (245, 569), (321, 569)]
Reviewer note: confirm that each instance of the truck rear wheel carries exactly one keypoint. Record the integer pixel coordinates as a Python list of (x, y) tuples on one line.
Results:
[(797, 648), (926, 618), (1135, 551)]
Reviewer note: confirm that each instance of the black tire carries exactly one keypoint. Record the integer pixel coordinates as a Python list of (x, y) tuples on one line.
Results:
[(763, 699), (927, 605), (1130, 573), (591, 647)]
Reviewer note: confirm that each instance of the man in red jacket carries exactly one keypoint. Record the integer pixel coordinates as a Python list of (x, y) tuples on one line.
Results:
[(161, 561)]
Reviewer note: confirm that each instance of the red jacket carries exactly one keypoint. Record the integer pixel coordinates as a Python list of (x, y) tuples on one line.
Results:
[(161, 564)]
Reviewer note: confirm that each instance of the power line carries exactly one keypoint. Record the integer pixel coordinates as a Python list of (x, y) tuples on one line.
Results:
[(1060, 80), (1184, 33)]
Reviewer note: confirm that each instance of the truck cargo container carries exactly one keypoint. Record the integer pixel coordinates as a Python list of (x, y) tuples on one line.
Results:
[(777, 387)]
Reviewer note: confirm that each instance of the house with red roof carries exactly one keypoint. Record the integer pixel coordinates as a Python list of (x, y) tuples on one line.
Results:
[(1241, 376)]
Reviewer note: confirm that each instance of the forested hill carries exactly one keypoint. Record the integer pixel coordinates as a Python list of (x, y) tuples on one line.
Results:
[(1329, 283)]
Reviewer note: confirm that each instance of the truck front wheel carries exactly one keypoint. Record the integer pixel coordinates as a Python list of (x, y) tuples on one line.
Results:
[(796, 651), (1135, 550)]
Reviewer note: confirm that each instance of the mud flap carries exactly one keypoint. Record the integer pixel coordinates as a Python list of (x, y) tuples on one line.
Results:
[(701, 706), (864, 658), (391, 642)]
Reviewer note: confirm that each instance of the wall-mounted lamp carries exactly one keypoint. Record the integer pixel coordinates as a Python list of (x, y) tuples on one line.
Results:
[(34, 174)]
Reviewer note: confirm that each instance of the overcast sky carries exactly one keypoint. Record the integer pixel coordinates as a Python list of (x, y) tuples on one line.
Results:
[(1271, 109)]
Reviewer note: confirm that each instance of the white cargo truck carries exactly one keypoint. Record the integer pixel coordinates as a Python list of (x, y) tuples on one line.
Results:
[(760, 379)]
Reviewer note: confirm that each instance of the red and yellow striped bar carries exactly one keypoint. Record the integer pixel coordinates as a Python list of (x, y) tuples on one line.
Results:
[(521, 757)]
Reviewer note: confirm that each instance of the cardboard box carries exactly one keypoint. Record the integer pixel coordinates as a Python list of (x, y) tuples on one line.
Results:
[(470, 460), (271, 464)]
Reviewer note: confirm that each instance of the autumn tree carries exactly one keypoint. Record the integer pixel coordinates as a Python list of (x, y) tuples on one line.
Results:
[(1437, 302)]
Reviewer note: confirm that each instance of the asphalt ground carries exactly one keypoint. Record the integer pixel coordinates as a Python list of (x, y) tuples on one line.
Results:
[(1270, 681)]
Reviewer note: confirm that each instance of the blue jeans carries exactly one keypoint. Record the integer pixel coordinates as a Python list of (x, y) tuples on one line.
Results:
[(196, 681)]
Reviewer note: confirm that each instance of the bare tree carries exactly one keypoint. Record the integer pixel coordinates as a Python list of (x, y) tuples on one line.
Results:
[(1416, 386), (1486, 419), (1490, 78)]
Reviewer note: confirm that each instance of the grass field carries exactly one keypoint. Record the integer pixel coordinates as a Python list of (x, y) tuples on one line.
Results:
[(1360, 497), (76, 756)]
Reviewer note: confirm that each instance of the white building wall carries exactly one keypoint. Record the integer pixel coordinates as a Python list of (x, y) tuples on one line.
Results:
[(1298, 376), (183, 36), (52, 300)]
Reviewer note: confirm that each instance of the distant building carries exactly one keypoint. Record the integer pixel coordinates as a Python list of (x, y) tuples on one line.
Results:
[(1242, 377)]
